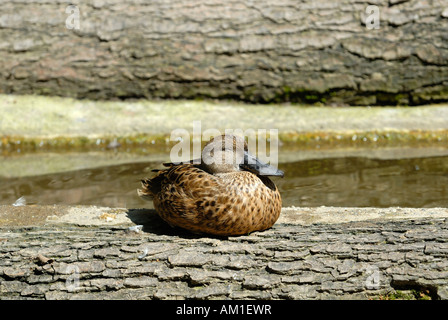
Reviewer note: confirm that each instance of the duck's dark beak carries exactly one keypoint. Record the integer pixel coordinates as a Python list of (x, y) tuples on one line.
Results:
[(252, 164)]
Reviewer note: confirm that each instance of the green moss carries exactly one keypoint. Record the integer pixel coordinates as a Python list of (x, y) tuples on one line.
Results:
[(311, 97), (350, 97), (406, 295), (298, 95), (311, 140), (365, 139), (13, 144), (250, 94)]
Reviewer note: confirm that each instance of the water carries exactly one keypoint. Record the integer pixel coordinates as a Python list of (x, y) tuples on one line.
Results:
[(363, 182), (337, 181)]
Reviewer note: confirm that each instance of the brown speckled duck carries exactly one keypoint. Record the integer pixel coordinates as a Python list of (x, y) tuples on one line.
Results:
[(225, 193)]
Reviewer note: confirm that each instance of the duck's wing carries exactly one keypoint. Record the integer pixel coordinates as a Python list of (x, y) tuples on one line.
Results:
[(152, 186), (184, 195), (178, 181), (173, 164)]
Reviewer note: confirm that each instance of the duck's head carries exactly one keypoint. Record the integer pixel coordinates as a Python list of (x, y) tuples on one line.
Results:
[(229, 153)]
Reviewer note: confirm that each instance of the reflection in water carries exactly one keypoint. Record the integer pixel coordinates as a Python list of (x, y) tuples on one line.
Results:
[(348, 182), (361, 182)]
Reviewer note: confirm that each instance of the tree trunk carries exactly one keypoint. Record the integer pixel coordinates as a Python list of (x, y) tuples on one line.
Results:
[(258, 51), (369, 259)]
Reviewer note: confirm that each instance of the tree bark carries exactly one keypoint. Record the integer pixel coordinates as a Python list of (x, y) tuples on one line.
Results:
[(257, 51), (371, 259)]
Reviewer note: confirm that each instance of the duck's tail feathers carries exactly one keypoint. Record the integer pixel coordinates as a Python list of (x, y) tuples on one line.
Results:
[(150, 187), (173, 164)]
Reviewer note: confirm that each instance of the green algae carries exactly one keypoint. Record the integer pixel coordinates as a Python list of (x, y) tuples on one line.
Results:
[(35, 123), (289, 140), (414, 294)]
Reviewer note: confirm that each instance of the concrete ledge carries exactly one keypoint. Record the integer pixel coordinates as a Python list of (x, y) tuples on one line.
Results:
[(52, 123), (93, 216), (61, 252)]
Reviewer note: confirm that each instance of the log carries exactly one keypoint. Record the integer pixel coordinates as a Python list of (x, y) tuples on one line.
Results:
[(262, 51), (310, 253)]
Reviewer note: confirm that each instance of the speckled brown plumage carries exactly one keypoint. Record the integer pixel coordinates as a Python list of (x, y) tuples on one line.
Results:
[(219, 203)]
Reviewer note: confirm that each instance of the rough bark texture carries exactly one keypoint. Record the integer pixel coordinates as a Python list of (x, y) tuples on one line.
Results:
[(253, 50), (359, 260)]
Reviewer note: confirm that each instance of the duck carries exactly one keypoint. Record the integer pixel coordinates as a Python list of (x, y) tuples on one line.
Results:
[(227, 192)]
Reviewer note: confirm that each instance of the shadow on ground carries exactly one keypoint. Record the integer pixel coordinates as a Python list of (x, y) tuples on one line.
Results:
[(152, 223)]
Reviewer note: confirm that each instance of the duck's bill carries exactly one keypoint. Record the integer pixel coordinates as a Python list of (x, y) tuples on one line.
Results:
[(251, 163)]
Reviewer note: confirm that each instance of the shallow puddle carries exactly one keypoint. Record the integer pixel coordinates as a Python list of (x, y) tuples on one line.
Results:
[(349, 181)]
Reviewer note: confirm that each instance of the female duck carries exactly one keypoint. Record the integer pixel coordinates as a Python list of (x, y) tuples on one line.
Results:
[(226, 193)]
